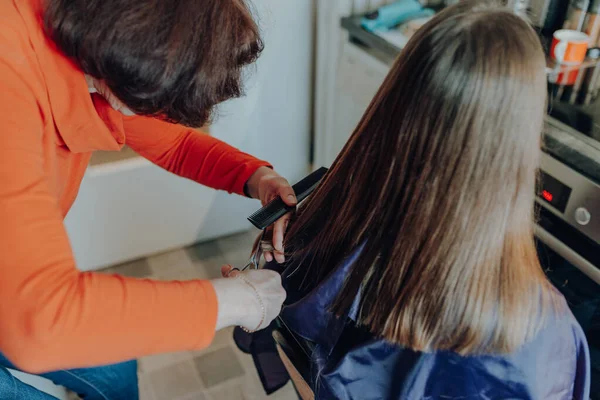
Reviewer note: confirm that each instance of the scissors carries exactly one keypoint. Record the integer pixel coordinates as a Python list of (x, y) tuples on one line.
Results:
[(260, 245)]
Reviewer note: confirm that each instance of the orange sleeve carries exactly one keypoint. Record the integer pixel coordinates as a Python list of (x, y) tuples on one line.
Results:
[(191, 154), (53, 316)]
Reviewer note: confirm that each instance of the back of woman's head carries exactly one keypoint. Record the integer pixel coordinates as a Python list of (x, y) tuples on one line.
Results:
[(172, 59), (438, 181)]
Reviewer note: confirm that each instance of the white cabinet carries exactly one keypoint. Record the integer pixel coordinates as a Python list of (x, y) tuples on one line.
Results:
[(347, 78), (358, 79), (130, 208)]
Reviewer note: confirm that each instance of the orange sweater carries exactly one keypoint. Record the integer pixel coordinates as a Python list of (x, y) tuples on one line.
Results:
[(51, 315)]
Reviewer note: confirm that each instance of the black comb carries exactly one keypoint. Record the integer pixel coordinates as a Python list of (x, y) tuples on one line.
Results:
[(276, 208)]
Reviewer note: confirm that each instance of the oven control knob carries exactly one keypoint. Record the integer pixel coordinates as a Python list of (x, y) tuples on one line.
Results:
[(582, 216)]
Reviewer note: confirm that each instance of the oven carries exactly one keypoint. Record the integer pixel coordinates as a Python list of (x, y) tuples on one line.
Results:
[(568, 226), (569, 215)]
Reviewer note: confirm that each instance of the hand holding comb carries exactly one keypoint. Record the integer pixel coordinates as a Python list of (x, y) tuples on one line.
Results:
[(276, 208)]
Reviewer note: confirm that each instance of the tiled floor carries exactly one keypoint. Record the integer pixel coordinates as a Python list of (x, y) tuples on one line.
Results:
[(221, 372)]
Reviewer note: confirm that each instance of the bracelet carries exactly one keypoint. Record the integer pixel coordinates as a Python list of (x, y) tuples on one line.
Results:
[(260, 302)]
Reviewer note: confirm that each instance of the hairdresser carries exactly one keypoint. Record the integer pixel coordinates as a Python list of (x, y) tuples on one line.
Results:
[(81, 75)]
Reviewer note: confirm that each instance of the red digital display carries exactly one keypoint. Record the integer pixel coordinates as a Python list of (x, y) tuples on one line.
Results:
[(547, 195), (553, 192)]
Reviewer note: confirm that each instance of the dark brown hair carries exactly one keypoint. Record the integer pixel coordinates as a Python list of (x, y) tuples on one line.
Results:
[(437, 181), (173, 59)]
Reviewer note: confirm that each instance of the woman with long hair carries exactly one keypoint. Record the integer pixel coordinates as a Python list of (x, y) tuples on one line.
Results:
[(413, 271)]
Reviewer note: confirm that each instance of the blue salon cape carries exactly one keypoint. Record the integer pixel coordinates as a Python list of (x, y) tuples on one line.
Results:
[(349, 363)]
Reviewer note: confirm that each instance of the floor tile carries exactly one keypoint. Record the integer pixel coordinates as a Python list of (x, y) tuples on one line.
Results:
[(173, 265), (245, 388), (179, 274), (218, 366), (174, 381), (210, 268), (237, 240), (223, 338), (237, 258), (240, 243), (234, 391), (146, 392), (160, 361), (177, 257), (194, 396), (136, 269), (203, 251), (236, 249)]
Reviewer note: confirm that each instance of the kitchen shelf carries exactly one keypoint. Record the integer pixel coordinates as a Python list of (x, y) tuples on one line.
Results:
[(389, 50), (553, 67)]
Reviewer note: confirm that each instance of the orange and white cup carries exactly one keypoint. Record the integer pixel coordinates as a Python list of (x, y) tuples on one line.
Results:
[(569, 46)]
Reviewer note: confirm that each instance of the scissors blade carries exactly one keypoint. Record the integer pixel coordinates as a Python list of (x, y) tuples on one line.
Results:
[(249, 264), (256, 253)]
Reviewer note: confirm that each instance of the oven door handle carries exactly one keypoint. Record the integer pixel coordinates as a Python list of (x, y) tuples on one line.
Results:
[(568, 254)]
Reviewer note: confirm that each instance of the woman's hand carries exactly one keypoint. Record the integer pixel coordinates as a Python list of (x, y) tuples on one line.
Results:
[(266, 184), (250, 299)]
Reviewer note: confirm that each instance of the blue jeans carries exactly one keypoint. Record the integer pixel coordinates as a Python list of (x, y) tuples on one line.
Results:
[(111, 382)]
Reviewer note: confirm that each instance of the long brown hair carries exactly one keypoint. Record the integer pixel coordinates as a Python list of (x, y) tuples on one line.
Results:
[(437, 181)]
